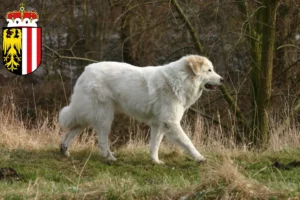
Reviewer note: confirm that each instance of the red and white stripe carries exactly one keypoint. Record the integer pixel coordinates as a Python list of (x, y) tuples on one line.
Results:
[(31, 49)]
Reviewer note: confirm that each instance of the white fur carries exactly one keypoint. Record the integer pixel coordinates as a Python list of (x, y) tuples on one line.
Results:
[(157, 96)]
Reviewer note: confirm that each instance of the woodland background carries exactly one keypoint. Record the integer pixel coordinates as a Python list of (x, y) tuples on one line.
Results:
[(233, 34), (245, 126)]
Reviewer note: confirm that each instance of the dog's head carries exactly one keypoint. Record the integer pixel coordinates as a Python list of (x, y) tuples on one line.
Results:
[(203, 70)]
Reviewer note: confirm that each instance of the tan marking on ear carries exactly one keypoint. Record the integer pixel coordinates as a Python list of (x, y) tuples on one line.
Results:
[(195, 63)]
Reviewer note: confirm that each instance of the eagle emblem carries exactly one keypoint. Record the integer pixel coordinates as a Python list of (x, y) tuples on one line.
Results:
[(12, 44)]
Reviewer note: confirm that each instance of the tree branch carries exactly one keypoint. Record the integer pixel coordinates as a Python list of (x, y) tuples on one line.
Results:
[(189, 26), (287, 69), (199, 48), (209, 117), (69, 57), (233, 104)]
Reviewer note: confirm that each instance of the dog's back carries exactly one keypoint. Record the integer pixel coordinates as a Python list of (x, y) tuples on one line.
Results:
[(121, 86)]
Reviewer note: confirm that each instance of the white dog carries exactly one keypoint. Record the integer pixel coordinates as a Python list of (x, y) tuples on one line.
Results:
[(157, 96)]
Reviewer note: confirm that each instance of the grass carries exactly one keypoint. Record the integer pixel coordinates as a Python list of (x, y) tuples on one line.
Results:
[(231, 172), (258, 168), (47, 174), (250, 175), (85, 175)]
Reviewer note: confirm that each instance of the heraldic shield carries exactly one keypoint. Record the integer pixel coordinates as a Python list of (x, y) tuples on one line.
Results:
[(22, 49), (22, 42)]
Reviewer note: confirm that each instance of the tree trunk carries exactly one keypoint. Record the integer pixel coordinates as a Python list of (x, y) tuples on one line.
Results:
[(126, 33), (265, 74), (255, 37)]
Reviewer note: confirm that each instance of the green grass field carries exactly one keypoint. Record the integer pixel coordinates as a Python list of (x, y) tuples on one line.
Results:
[(45, 174), (230, 172)]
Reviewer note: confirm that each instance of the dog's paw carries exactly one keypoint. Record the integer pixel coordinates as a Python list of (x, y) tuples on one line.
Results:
[(64, 150), (111, 158), (200, 159), (159, 162)]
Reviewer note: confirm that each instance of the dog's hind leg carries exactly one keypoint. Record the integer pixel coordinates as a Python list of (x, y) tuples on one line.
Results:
[(102, 127), (67, 140), (156, 137), (175, 133), (103, 130)]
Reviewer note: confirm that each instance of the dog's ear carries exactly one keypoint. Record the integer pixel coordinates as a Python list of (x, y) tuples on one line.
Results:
[(195, 63)]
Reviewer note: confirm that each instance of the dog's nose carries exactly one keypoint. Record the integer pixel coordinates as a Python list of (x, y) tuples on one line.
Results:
[(221, 80)]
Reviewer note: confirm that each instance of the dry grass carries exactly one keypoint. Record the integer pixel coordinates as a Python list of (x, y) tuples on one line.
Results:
[(224, 174), (222, 177)]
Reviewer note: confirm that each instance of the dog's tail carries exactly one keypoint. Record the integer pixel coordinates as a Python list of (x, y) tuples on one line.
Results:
[(67, 118)]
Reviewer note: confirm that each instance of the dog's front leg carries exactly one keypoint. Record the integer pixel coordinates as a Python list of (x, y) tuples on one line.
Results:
[(175, 133)]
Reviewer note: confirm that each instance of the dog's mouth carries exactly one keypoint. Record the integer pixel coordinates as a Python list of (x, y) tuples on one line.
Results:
[(210, 87)]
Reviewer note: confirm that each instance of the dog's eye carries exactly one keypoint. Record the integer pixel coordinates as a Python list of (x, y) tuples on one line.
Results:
[(209, 70)]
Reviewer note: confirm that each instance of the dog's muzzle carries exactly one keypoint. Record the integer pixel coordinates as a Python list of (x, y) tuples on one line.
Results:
[(213, 87)]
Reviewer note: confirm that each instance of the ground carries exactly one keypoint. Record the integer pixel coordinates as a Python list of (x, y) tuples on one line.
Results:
[(45, 174), (31, 166)]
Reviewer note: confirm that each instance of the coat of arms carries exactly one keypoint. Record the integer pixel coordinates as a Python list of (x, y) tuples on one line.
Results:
[(22, 42)]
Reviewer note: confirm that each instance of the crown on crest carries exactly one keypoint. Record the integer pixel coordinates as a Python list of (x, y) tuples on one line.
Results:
[(22, 18)]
